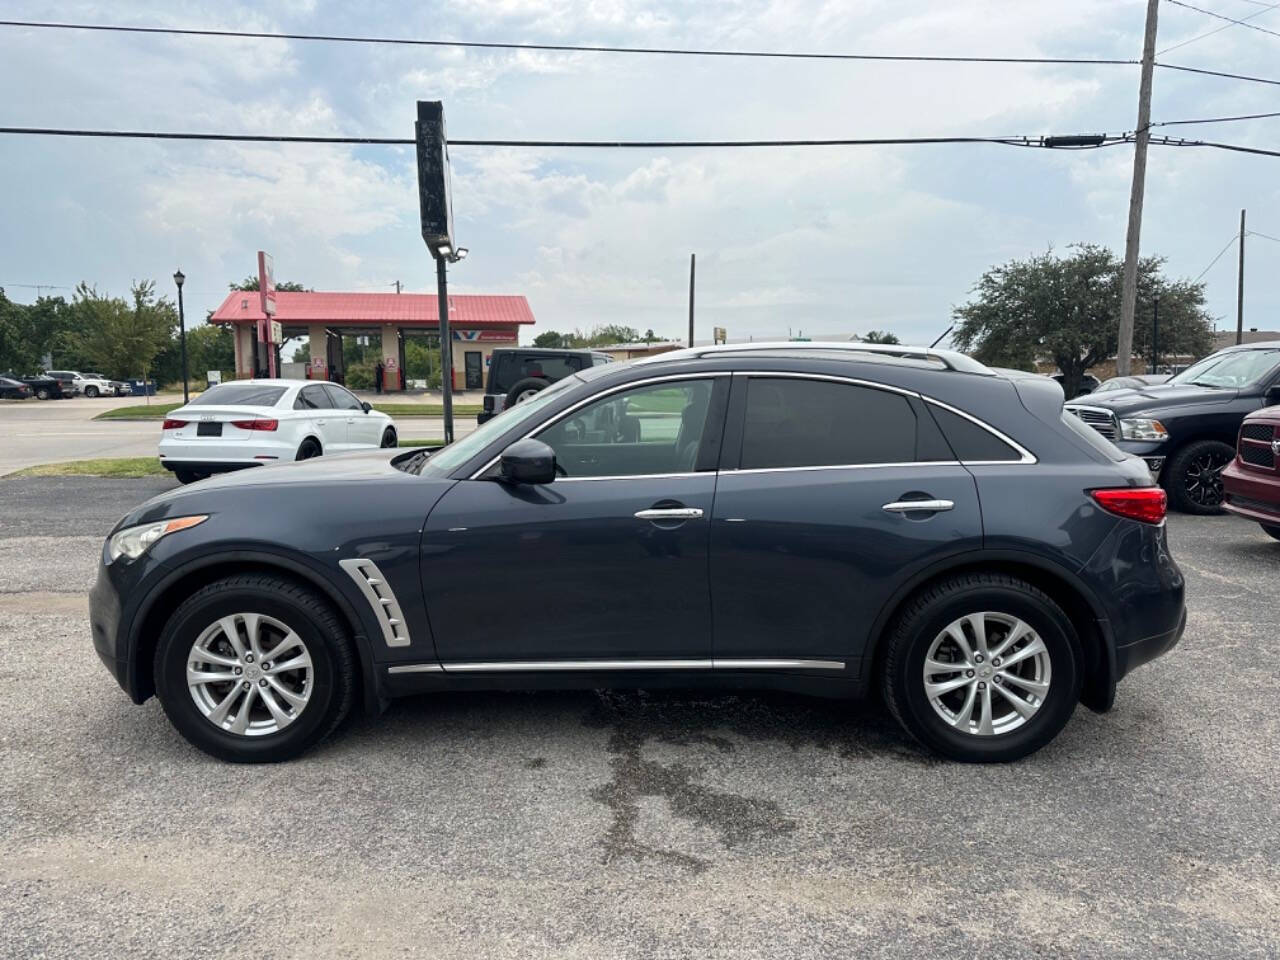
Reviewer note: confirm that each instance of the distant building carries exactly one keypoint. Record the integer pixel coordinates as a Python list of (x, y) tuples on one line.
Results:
[(478, 323), (629, 351), (1227, 338)]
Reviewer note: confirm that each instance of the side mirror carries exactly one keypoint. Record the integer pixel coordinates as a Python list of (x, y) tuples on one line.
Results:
[(528, 461), (367, 406)]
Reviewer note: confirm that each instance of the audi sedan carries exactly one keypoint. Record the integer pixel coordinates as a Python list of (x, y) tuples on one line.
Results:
[(832, 519), (250, 423)]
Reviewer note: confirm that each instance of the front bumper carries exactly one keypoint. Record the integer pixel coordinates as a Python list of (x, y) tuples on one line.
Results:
[(1251, 495), (109, 607), (1150, 451)]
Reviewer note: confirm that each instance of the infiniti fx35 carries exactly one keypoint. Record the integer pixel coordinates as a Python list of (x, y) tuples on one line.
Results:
[(833, 519)]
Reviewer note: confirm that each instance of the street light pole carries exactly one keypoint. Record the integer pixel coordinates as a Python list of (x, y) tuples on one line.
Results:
[(179, 278), (446, 348)]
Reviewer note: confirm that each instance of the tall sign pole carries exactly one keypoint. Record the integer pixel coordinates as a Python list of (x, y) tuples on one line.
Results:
[(1240, 287), (267, 298), (693, 264), (436, 204), (1129, 287)]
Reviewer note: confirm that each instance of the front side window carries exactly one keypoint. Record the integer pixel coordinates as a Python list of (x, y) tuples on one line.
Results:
[(312, 398), (342, 399), (819, 423), (647, 430)]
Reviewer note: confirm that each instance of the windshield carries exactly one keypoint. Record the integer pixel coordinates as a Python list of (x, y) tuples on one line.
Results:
[(239, 395), (1232, 370), (462, 450)]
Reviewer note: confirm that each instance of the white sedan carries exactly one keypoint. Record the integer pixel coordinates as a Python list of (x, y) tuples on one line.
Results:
[(252, 423)]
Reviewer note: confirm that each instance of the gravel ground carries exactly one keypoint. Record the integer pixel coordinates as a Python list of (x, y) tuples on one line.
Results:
[(630, 824)]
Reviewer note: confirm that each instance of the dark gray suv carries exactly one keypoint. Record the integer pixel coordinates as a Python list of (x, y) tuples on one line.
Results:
[(833, 519)]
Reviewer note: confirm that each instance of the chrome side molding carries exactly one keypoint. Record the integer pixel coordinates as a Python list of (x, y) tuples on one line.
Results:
[(553, 666), (386, 609)]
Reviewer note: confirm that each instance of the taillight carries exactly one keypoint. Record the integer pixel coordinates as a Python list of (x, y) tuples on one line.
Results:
[(256, 424), (1147, 504), (173, 424)]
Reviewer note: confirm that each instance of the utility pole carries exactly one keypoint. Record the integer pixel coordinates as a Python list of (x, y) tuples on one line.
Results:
[(397, 285), (693, 263), (1240, 287), (1129, 288)]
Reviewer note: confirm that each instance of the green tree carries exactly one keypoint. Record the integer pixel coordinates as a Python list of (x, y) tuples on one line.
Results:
[(19, 349), (251, 283), (1066, 310), (210, 346), (880, 336), (121, 338), (610, 333), (552, 340)]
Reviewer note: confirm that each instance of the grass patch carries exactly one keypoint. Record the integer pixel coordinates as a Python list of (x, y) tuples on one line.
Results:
[(153, 411), (158, 411), (128, 467), (420, 443)]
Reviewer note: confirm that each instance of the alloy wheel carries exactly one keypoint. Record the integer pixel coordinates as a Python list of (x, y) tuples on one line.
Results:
[(1203, 478), (987, 673), (250, 674)]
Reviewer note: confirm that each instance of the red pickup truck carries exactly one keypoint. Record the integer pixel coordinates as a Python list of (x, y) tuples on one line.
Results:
[(1252, 480)]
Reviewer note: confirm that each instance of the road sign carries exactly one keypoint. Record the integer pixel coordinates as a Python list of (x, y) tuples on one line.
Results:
[(719, 335), (267, 283)]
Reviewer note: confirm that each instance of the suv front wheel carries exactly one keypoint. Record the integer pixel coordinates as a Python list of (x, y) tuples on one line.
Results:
[(982, 668)]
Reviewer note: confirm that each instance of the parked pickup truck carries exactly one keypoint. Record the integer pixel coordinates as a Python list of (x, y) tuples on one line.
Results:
[(1186, 429), (45, 387)]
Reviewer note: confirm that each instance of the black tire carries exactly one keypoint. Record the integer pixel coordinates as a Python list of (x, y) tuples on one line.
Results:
[(91, 392), (309, 448), (389, 438), (318, 628), (924, 618), (42, 393), (1193, 477), (189, 476), (1271, 531), (525, 388)]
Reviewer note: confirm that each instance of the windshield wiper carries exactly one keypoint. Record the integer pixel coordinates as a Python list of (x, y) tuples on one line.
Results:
[(1204, 383)]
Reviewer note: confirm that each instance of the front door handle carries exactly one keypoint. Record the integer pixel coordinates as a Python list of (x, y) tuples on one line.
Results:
[(918, 506), (670, 513)]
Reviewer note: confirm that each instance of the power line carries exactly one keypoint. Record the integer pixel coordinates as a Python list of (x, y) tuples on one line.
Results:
[(1234, 238), (1234, 147), (554, 47), (1247, 116), (1218, 73), (1266, 7), (1015, 141), (1264, 236), (1231, 21)]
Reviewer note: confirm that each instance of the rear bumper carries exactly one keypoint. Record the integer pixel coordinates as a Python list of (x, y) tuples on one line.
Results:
[(1130, 656), (210, 466)]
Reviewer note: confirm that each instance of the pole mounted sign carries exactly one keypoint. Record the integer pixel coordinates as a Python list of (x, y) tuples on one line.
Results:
[(267, 296), (436, 206), (434, 194)]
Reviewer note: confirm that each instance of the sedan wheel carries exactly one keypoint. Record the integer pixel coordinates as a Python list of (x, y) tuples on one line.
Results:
[(389, 438)]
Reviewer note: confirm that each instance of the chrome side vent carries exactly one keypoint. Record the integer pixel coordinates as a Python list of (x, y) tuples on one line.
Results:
[(386, 609)]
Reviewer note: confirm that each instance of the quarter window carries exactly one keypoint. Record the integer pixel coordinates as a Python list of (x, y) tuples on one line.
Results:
[(817, 423), (972, 442), (655, 429)]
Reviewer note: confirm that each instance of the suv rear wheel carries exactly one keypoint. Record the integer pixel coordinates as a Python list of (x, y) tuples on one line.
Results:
[(1193, 476), (982, 668), (254, 669), (525, 389)]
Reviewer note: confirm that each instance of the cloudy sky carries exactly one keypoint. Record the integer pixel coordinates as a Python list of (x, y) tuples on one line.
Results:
[(817, 240)]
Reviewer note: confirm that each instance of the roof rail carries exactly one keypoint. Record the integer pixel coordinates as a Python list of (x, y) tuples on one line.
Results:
[(950, 359)]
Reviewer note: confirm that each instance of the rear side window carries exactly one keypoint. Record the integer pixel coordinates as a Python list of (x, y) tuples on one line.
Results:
[(239, 395), (970, 441), (511, 368), (817, 423)]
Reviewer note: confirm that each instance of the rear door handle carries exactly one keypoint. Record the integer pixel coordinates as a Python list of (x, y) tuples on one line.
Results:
[(918, 506), (670, 513)]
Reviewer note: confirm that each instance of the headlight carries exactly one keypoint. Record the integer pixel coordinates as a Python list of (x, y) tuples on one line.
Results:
[(133, 542), (1143, 430)]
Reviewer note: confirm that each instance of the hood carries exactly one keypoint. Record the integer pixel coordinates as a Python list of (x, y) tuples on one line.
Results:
[(1161, 396)]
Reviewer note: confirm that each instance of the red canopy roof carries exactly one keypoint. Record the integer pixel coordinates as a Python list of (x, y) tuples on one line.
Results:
[(404, 309)]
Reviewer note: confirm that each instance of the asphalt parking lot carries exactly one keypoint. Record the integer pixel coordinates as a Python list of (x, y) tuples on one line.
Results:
[(631, 824)]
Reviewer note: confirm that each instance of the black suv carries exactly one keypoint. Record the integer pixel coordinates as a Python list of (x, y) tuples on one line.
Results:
[(519, 373), (1186, 427), (831, 519)]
